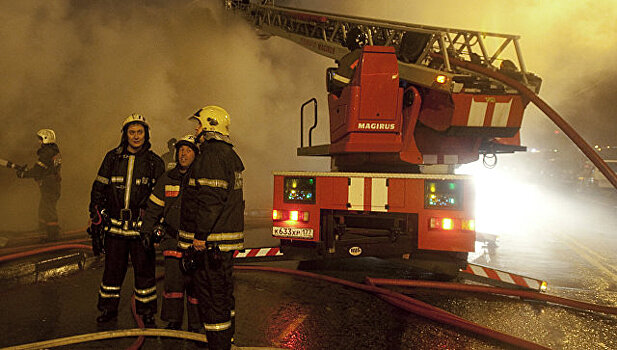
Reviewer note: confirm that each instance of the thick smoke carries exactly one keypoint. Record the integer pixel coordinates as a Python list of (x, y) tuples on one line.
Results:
[(81, 67)]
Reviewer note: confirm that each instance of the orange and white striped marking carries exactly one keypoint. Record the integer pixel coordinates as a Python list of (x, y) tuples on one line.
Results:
[(258, 252), (506, 277)]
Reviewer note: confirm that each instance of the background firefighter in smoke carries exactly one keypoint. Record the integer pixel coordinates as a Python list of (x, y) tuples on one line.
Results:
[(46, 172), (119, 195), (164, 204)]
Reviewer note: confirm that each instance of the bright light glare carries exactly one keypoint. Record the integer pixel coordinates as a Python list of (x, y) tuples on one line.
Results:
[(504, 204), (447, 224), (441, 79), (293, 215)]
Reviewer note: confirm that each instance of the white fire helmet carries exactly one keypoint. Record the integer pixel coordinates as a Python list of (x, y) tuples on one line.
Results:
[(188, 140), (135, 118), (213, 118), (47, 136)]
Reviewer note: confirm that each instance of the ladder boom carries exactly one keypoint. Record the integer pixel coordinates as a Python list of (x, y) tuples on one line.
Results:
[(417, 46)]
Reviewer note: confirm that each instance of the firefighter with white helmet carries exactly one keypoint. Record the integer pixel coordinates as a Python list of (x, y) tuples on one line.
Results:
[(119, 197), (46, 172), (213, 214), (164, 204)]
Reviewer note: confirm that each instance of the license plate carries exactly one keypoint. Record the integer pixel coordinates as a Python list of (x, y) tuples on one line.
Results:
[(292, 232)]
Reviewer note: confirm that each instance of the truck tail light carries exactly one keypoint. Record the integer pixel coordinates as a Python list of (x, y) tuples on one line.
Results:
[(449, 224), (290, 215)]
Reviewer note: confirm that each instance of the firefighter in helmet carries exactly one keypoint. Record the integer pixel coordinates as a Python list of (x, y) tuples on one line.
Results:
[(213, 214), (46, 172), (119, 196), (169, 156), (164, 204)]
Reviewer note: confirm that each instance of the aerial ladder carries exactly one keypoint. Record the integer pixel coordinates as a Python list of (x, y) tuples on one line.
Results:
[(407, 103)]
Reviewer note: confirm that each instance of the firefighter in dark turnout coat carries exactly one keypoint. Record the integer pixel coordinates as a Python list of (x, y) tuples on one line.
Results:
[(213, 212), (119, 195), (46, 172), (164, 204)]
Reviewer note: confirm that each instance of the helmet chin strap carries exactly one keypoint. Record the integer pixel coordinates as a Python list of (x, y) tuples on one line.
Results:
[(200, 135)]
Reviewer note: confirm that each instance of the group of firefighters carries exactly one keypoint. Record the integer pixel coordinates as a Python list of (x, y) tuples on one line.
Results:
[(194, 212)]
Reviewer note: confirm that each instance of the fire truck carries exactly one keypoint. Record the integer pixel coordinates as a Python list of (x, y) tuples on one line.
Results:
[(407, 104)]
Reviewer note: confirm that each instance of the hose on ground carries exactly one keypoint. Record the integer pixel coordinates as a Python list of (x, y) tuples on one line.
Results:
[(42, 250), (397, 299), (140, 323), (493, 290), (411, 305), (6, 251), (123, 333)]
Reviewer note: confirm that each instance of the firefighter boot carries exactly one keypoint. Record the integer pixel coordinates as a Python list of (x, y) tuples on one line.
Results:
[(106, 316)]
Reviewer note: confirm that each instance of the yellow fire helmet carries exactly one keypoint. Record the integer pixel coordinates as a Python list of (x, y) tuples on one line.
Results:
[(135, 118), (47, 135), (213, 118)]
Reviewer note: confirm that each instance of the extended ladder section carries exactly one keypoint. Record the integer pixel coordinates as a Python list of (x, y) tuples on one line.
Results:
[(404, 95), (424, 52)]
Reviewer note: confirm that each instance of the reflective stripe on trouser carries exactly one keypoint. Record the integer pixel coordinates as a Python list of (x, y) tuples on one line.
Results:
[(117, 252), (178, 285), (212, 286)]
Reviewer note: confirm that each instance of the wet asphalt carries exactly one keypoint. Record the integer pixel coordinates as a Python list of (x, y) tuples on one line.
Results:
[(284, 311)]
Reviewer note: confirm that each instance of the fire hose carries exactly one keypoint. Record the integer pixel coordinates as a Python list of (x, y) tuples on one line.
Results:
[(11, 165), (548, 111), (397, 299)]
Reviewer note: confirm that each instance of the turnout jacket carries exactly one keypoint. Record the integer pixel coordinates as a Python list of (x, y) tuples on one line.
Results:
[(164, 202), (122, 187), (212, 201), (47, 169)]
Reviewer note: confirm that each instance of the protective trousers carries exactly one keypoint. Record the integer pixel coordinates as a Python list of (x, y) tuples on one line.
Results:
[(48, 215), (177, 283), (117, 250), (214, 288)]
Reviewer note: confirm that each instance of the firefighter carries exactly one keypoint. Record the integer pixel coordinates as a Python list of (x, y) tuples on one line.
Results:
[(46, 172), (118, 198), (213, 213), (347, 65), (169, 156), (165, 203)]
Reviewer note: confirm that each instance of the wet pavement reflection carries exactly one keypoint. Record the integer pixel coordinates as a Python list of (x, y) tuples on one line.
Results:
[(285, 311)]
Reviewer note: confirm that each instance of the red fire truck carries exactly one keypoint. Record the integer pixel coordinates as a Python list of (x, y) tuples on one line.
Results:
[(404, 111)]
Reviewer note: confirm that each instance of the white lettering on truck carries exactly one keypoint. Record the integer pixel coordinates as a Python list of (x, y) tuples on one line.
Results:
[(376, 126)]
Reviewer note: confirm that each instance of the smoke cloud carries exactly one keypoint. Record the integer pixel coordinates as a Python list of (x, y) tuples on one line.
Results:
[(81, 67)]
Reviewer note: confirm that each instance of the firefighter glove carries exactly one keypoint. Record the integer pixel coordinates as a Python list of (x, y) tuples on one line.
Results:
[(190, 260), (98, 240), (147, 240)]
